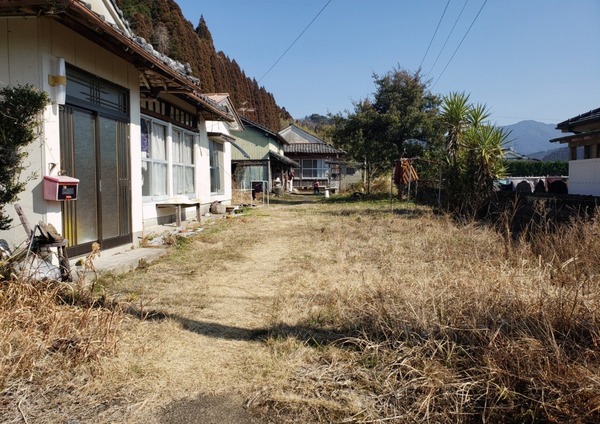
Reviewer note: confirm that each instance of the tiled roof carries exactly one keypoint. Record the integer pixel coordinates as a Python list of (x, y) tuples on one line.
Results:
[(317, 148), (592, 115), (283, 159), (156, 70)]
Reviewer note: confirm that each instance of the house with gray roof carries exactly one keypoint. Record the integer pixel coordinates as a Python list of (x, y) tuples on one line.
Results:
[(258, 160), (318, 161)]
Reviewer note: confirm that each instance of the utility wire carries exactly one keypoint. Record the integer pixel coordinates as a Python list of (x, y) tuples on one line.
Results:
[(460, 44), (434, 34), (448, 37), (294, 42)]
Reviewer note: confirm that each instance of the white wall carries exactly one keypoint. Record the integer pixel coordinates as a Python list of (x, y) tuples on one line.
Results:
[(584, 177), (203, 168), (29, 52), (21, 63), (225, 197)]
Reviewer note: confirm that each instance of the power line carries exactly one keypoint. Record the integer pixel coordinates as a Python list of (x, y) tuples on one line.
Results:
[(460, 44), (448, 37), (294, 42), (434, 33)]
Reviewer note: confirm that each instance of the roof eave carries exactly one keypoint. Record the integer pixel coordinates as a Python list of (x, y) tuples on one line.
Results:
[(583, 137), (155, 75)]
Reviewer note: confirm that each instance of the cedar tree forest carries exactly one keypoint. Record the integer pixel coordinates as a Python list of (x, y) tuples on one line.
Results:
[(162, 23)]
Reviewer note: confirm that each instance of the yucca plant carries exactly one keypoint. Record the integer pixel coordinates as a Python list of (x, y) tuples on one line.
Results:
[(474, 152), (483, 164)]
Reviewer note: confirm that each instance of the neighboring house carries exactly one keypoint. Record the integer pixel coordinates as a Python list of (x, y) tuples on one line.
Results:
[(509, 154), (318, 161), (259, 159), (584, 148), (221, 145), (125, 120)]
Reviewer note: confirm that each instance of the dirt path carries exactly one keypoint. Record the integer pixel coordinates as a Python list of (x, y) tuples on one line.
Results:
[(205, 352)]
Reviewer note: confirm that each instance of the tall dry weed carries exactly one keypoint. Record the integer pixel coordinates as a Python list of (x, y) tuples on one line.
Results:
[(51, 334), (442, 326)]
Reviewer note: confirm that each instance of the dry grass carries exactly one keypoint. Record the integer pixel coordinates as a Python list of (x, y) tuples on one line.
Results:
[(322, 312), (440, 326), (52, 338)]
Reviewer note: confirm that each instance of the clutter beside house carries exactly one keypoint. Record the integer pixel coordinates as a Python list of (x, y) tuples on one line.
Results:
[(117, 107)]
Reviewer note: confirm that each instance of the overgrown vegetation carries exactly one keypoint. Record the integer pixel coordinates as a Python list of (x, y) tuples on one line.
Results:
[(20, 108), (52, 339), (359, 314), (536, 169), (441, 326), (472, 158)]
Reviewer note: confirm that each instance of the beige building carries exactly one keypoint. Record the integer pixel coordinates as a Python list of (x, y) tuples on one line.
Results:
[(126, 121)]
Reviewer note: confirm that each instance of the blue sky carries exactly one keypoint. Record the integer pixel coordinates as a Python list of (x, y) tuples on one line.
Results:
[(525, 59)]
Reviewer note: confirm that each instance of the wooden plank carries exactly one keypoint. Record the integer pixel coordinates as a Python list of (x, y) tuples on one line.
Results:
[(178, 206), (24, 220)]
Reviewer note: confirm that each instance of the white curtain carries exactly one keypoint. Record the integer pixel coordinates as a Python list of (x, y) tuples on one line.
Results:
[(183, 167), (159, 179), (154, 163), (159, 142), (216, 167)]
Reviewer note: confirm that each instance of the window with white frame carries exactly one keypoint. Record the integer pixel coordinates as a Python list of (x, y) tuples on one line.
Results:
[(183, 163), (158, 139), (314, 168), (217, 176), (154, 159)]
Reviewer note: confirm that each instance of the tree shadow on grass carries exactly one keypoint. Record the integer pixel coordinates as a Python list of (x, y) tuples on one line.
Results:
[(405, 212), (310, 335), (294, 199)]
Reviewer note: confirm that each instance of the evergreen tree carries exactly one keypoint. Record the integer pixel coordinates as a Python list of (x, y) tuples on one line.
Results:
[(382, 130), (20, 106), (216, 72)]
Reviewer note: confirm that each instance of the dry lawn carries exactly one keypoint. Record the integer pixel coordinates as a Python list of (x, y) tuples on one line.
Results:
[(334, 312)]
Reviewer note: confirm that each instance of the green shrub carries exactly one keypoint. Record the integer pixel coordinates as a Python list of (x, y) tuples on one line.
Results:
[(524, 169), (19, 120)]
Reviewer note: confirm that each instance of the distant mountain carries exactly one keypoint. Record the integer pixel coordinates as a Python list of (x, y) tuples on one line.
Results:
[(527, 137), (559, 154)]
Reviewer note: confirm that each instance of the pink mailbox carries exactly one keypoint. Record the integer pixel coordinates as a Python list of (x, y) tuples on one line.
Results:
[(60, 187)]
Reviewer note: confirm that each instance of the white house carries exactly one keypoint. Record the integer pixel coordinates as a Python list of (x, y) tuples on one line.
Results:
[(584, 149), (319, 161), (220, 134), (126, 121)]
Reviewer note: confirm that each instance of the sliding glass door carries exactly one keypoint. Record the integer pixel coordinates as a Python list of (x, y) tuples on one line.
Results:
[(95, 149)]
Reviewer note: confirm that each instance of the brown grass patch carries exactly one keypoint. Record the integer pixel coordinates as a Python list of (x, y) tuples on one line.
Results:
[(326, 312), (442, 327), (52, 337)]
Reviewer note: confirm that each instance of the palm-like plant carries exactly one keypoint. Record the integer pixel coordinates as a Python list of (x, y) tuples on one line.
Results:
[(477, 115), (484, 147), (474, 150), (455, 114)]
